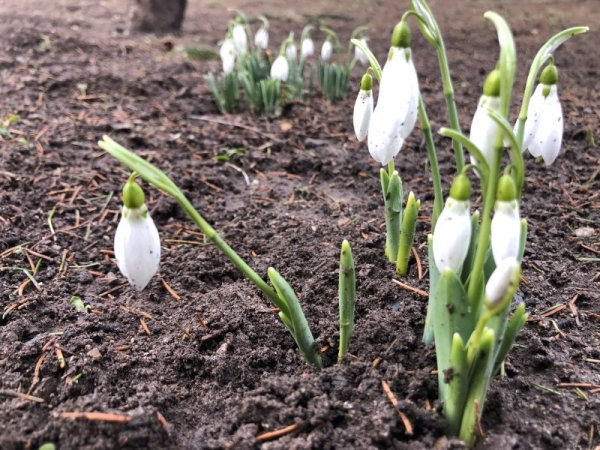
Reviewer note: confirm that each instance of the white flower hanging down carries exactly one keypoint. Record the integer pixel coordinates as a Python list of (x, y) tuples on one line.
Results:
[(544, 125), (261, 38), (291, 52), (506, 223), (227, 53), (396, 111), (240, 38), (326, 50), (363, 108), (500, 281), (484, 131), (359, 55), (280, 69), (307, 48), (137, 243), (452, 234)]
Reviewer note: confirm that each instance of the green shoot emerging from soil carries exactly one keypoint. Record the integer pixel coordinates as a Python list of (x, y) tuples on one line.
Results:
[(474, 259)]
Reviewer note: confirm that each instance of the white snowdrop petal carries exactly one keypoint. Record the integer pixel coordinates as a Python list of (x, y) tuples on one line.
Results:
[(506, 231), (534, 113), (240, 38), (326, 50), (410, 79), (484, 130), (261, 38), (548, 138), (359, 55), (499, 282), (307, 48), (228, 64), (291, 52), (363, 109), (137, 247), (384, 137), (280, 68), (452, 236)]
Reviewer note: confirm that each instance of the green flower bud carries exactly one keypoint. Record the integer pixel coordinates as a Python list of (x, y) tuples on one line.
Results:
[(366, 84), (549, 75), (401, 36), (507, 189), (491, 86), (133, 195), (461, 188)]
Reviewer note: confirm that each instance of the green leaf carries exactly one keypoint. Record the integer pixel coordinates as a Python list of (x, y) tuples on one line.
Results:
[(407, 234), (514, 326), (434, 275), (458, 384), (347, 298)]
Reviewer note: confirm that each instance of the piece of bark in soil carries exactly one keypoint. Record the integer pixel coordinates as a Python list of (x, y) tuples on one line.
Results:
[(156, 15)]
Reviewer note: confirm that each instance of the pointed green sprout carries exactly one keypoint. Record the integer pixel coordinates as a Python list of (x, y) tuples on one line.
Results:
[(282, 296), (347, 298), (407, 233), (393, 196)]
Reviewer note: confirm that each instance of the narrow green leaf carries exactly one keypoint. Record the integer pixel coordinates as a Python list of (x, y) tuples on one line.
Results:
[(347, 298), (407, 234)]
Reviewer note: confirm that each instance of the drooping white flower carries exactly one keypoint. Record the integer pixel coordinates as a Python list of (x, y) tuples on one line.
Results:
[(396, 111), (291, 52), (326, 50), (363, 109), (506, 230), (544, 125), (227, 53), (280, 69), (307, 47), (240, 38), (484, 130), (359, 55), (261, 38), (452, 235), (499, 283), (137, 246)]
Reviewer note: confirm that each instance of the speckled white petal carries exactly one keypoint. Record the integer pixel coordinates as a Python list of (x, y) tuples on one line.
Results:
[(499, 282), (261, 38), (484, 130), (363, 109), (506, 231), (534, 114), (307, 48), (548, 138), (326, 50), (137, 246), (452, 236), (240, 38), (280, 68)]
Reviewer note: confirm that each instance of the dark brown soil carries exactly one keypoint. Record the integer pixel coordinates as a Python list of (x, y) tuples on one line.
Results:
[(216, 368)]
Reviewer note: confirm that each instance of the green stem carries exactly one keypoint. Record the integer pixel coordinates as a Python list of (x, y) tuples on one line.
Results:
[(238, 262), (438, 196), (450, 102)]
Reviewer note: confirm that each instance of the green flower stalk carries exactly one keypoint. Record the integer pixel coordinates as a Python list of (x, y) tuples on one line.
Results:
[(347, 298)]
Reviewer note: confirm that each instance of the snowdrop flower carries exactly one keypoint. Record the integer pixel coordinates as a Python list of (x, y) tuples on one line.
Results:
[(500, 282), (363, 108), (544, 125), (240, 38), (359, 55), (484, 130), (291, 52), (506, 223), (326, 50), (261, 38), (137, 244), (396, 111), (280, 69), (227, 53), (452, 234), (307, 48)]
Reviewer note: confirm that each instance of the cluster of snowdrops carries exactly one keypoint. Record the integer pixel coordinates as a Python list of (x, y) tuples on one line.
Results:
[(265, 80), (474, 257)]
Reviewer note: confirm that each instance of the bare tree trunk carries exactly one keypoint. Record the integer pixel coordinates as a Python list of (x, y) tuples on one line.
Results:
[(157, 15)]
